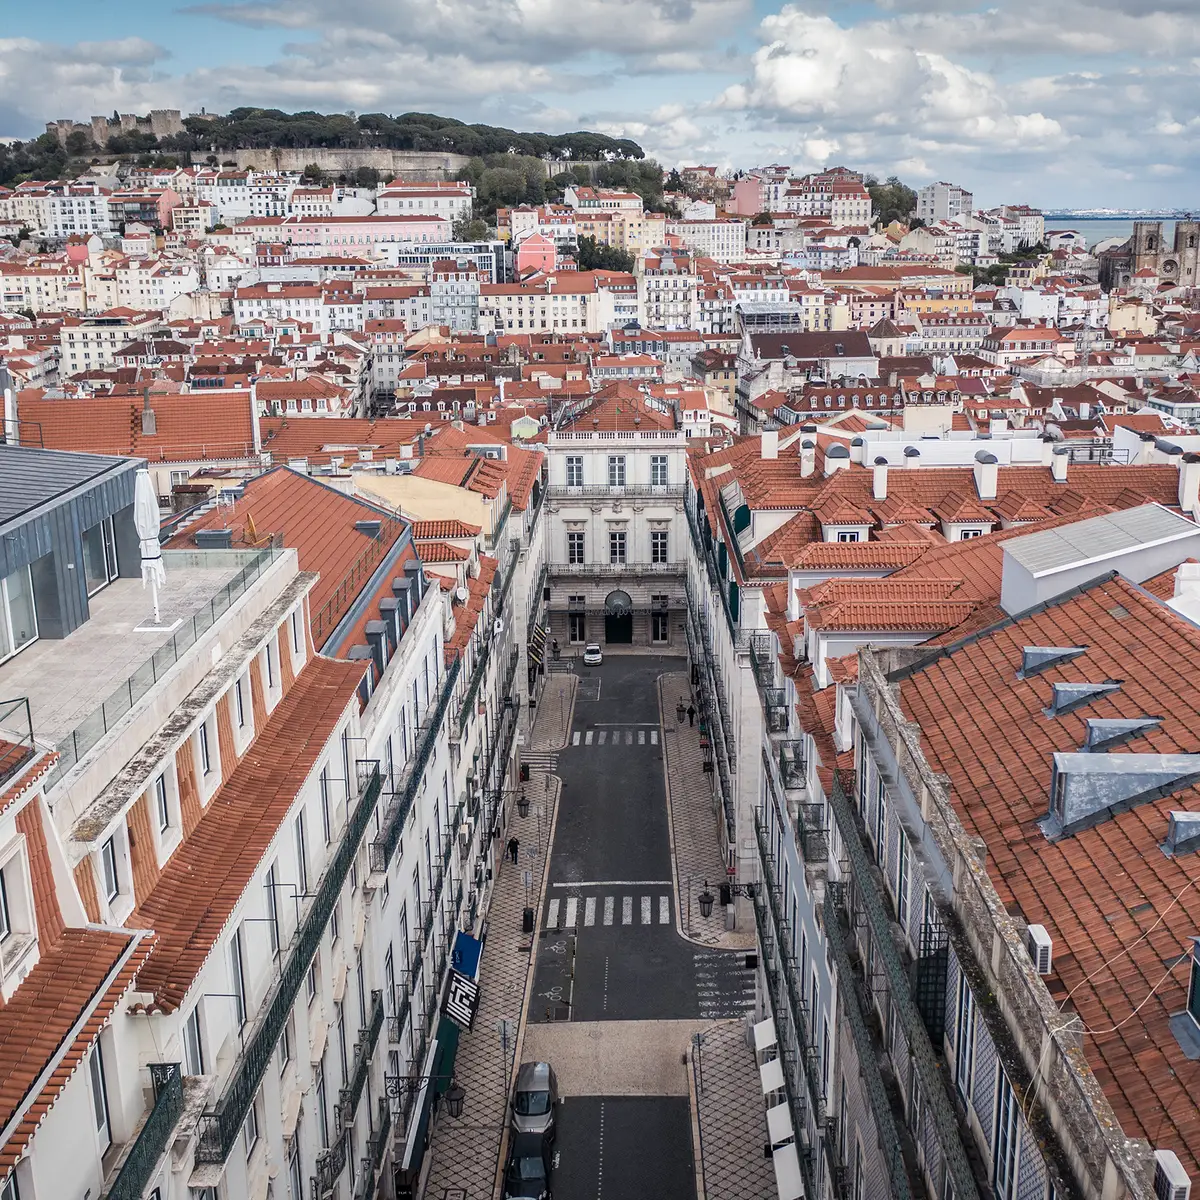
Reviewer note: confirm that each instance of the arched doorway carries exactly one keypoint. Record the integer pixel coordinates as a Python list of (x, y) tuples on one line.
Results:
[(618, 619)]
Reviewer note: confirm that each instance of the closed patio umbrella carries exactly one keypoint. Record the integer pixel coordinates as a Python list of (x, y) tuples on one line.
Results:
[(145, 518)]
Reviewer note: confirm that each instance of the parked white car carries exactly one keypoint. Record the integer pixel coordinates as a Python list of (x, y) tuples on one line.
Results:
[(593, 656)]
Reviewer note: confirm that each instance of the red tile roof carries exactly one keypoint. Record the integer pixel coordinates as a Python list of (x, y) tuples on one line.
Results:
[(439, 530), (620, 407), (202, 883), (70, 981), (196, 426), (319, 523), (1119, 910)]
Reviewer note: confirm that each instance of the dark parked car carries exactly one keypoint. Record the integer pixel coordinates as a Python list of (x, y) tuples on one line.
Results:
[(527, 1176), (535, 1099)]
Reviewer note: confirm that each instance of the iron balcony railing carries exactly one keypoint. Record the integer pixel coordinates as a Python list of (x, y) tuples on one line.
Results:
[(493, 539), (808, 819), (896, 975), (485, 653), (535, 601), (364, 1048), (870, 1052), (154, 1136), (399, 1018), (222, 1126), (567, 491), (621, 568), (384, 845)]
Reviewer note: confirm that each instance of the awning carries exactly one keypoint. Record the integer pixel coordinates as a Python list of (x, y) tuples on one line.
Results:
[(537, 645), (764, 1035), (788, 1180), (772, 1076), (779, 1124)]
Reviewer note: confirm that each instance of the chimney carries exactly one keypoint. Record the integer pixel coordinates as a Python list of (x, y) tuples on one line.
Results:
[(149, 424), (987, 473), (1085, 410), (12, 424), (1145, 454), (1059, 461), (879, 479), (893, 378), (837, 458), (1189, 483), (254, 425), (912, 456), (770, 443), (808, 458)]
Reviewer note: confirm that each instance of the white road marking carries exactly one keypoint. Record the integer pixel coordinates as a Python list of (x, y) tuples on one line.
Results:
[(629, 737), (552, 913), (608, 910), (626, 910), (621, 883), (572, 910), (589, 911), (646, 918), (664, 910), (654, 737), (641, 737), (603, 735), (575, 739), (587, 741)]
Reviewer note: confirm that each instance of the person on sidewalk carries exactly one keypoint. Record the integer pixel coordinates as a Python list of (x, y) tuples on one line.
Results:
[(514, 848), (691, 714)]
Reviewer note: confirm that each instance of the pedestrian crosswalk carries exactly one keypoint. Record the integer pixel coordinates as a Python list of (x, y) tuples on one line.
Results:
[(541, 760), (574, 912), (642, 736)]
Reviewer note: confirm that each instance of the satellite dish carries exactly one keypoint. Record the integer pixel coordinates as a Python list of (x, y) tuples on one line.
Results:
[(461, 594), (498, 627)]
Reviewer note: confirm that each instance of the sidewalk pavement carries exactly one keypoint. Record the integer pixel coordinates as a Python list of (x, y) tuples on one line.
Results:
[(732, 1116), (695, 828), (464, 1154)]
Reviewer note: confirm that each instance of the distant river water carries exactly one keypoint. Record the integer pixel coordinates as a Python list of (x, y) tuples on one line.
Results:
[(1098, 230)]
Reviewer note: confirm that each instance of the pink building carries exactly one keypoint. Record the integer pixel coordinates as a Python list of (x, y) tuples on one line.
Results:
[(535, 253)]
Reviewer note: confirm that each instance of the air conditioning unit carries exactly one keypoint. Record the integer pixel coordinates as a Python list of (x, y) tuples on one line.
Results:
[(1171, 1181), (464, 834), (1041, 948)]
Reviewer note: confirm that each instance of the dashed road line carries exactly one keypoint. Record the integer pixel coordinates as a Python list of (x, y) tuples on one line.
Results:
[(552, 913), (664, 910)]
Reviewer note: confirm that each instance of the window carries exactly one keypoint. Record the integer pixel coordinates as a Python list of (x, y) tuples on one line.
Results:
[(964, 1041), (660, 628), (250, 1129), (658, 470), (310, 980), (205, 754), (297, 638), (575, 548), (616, 470), (108, 866), (860, 1182), (5, 920), (335, 922), (161, 808), (301, 852), (616, 547), (574, 470), (1193, 1003), (269, 657), (237, 966), (99, 556), (239, 705), (272, 909), (970, 533), (847, 535), (658, 546), (902, 882), (326, 813), (880, 821), (193, 1045), (1004, 1150), (286, 1039), (295, 1174), (340, 1024), (576, 627), (18, 621), (100, 1097), (322, 1106)]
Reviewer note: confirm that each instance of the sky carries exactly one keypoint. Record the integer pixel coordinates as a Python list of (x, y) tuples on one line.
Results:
[(1075, 103)]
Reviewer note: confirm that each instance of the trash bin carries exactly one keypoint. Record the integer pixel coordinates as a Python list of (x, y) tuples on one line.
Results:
[(527, 920)]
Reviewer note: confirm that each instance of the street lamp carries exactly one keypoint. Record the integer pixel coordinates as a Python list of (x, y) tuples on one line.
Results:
[(523, 805), (706, 902), (398, 1086), (455, 1095), (680, 712)]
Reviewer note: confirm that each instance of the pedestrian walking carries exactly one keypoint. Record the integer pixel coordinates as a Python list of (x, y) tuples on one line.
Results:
[(691, 714), (514, 848)]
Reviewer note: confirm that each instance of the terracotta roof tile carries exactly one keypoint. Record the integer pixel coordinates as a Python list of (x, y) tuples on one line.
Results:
[(201, 885), (438, 530)]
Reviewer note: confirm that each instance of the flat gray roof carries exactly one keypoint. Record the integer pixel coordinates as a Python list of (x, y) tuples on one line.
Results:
[(1098, 537), (31, 476)]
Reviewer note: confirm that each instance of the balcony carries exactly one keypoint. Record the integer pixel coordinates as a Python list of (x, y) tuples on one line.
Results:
[(632, 491), (384, 846), (147, 1149), (604, 570), (364, 1048), (222, 1126), (870, 918)]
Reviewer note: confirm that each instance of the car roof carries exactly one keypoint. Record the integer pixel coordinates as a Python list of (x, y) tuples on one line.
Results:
[(533, 1077), (527, 1145)]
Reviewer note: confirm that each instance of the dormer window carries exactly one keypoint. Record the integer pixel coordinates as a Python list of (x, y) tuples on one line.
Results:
[(1193, 1002)]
